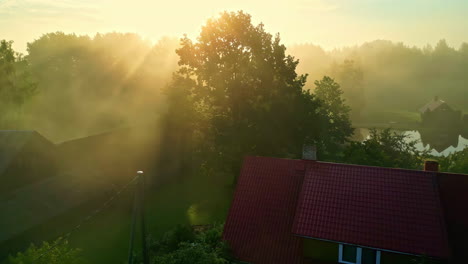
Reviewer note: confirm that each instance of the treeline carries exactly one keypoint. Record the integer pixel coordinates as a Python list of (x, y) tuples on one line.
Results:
[(69, 86), (81, 85), (387, 76)]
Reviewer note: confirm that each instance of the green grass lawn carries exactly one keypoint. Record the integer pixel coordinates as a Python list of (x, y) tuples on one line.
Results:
[(105, 238)]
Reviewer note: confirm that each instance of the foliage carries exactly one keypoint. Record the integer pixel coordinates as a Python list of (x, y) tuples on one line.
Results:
[(385, 149), (190, 253), (184, 245), (337, 113), (101, 82), (16, 85), (456, 162), (248, 93), (351, 78), (58, 252)]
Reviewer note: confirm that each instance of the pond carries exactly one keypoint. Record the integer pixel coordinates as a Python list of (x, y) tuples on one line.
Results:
[(437, 142)]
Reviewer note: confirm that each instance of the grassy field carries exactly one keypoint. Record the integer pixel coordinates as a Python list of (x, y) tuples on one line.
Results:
[(379, 118), (104, 239)]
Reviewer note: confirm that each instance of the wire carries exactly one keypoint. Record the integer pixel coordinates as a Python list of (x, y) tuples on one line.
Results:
[(90, 216)]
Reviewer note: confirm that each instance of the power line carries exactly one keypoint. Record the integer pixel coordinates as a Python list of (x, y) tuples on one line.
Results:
[(90, 216)]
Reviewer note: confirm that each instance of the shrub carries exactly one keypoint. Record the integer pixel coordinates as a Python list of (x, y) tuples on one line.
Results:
[(58, 252)]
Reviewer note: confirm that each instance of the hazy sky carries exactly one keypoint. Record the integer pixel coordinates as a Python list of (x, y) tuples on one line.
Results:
[(329, 23)]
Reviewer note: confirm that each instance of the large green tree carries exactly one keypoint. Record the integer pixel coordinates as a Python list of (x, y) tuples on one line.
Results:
[(246, 85)]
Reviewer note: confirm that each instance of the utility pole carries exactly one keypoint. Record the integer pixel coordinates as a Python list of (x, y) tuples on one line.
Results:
[(142, 217), (138, 211)]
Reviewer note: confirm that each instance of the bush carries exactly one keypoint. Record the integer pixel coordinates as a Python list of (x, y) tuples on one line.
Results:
[(456, 162), (58, 252), (196, 253), (385, 149), (184, 245)]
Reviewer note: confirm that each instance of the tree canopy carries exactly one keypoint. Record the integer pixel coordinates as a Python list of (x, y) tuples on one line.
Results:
[(16, 85), (246, 87), (337, 112), (385, 149)]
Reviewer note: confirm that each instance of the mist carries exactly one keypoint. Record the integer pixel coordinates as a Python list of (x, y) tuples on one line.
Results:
[(394, 76), (88, 85), (92, 84)]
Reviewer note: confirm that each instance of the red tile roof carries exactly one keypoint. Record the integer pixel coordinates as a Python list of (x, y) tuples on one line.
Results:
[(258, 226), (454, 195), (389, 209), (392, 209)]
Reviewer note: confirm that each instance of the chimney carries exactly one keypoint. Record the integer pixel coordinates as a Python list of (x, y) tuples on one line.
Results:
[(431, 165), (309, 152)]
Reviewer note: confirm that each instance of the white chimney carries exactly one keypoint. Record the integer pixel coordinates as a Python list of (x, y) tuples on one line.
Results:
[(309, 152)]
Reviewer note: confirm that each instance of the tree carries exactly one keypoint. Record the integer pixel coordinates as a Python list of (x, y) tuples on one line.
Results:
[(101, 82), (16, 85), (385, 149), (247, 87), (58, 252), (337, 114), (351, 78)]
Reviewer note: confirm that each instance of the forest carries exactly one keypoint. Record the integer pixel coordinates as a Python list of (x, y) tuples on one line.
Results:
[(233, 91), (116, 79)]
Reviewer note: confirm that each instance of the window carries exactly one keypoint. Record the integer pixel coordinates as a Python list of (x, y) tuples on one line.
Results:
[(355, 255)]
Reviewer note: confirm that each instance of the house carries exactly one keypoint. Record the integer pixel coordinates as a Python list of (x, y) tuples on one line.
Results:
[(307, 211), (438, 114), (25, 157), (113, 155)]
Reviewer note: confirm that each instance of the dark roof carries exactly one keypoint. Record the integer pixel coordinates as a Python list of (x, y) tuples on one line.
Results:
[(453, 191), (390, 209), (258, 227), (432, 105), (51, 197), (11, 143)]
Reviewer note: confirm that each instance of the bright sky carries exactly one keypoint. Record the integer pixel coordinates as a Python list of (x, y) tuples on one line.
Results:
[(329, 23)]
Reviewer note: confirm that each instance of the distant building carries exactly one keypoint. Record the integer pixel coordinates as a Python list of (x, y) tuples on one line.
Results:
[(307, 211), (438, 114), (25, 157)]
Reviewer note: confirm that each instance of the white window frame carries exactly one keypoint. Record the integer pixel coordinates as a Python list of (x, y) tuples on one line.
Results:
[(358, 255)]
